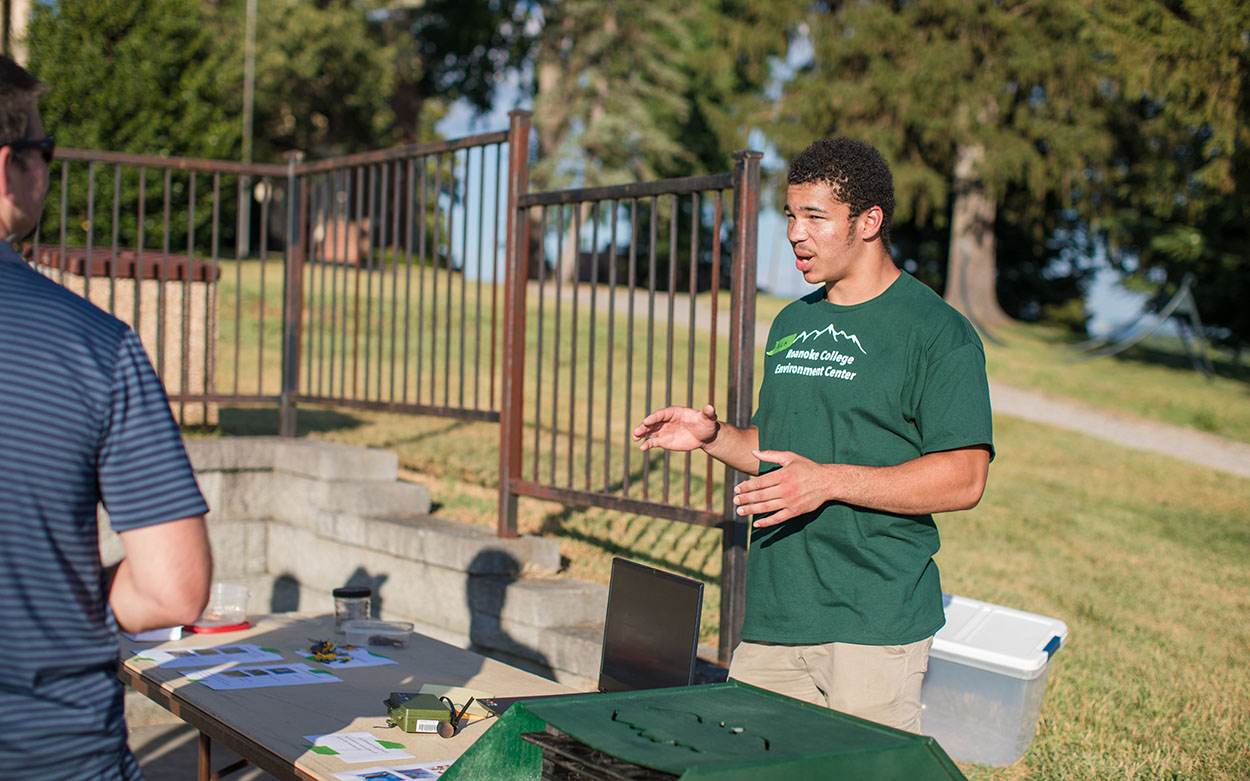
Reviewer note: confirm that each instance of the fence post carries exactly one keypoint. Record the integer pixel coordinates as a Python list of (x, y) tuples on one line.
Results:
[(516, 272), (734, 530), (293, 296)]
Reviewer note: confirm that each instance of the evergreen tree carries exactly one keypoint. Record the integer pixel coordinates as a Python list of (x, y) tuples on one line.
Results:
[(969, 101), (611, 92), (446, 50), (611, 95), (736, 46), (1179, 189), (141, 76), (323, 84)]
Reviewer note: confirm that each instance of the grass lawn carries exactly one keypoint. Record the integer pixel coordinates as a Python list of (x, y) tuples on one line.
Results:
[(1146, 558), (1153, 380)]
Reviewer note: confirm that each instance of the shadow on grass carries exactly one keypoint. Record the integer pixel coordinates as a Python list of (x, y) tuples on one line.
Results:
[(437, 427), (1158, 350), (629, 545), (1159, 355), (261, 422)]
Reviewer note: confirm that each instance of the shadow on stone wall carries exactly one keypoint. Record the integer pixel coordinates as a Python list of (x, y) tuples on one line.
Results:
[(284, 598), (485, 596), (361, 577)]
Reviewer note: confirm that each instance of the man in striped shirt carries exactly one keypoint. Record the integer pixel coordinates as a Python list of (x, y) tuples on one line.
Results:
[(83, 420)]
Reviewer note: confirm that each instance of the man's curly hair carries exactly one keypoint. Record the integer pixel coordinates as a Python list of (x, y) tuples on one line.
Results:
[(858, 174)]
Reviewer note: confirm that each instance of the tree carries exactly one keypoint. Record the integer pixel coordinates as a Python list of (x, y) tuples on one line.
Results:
[(611, 85), (141, 76), (323, 84), (1179, 191), (135, 76), (735, 49), (610, 97), (968, 100), (449, 50)]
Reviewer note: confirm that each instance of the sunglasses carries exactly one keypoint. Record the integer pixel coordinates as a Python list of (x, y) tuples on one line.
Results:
[(45, 145)]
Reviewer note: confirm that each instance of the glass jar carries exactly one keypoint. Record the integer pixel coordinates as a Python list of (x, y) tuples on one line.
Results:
[(351, 603)]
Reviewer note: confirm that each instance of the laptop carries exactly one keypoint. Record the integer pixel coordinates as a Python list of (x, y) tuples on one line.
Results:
[(650, 632)]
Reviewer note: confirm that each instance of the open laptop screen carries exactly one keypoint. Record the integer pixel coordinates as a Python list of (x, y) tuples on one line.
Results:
[(651, 630)]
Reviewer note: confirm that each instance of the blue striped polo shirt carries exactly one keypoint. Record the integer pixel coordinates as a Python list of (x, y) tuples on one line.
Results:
[(83, 420)]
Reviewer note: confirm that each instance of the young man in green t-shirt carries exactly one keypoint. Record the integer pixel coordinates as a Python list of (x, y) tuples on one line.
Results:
[(874, 414)]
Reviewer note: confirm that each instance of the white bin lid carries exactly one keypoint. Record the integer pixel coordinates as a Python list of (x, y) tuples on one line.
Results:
[(996, 638)]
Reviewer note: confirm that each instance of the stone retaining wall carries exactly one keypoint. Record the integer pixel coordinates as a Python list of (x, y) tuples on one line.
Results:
[(294, 519)]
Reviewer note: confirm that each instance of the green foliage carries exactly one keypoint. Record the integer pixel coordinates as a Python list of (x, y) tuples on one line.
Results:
[(612, 81), (1070, 315), (464, 48), (921, 81), (734, 46), (1180, 183), (322, 81), (637, 90), (165, 77), (142, 76)]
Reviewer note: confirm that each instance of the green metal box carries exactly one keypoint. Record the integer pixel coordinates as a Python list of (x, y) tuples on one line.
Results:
[(416, 712)]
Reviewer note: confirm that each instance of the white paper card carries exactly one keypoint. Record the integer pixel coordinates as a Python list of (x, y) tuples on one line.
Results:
[(355, 747), (261, 676), (203, 656), (397, 772)]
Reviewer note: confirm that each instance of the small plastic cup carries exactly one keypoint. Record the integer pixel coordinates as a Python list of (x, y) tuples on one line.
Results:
[(361, 632), (227, 605), (351, 603)]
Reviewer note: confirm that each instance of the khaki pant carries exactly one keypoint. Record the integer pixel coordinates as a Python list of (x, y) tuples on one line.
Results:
[(880, 683)]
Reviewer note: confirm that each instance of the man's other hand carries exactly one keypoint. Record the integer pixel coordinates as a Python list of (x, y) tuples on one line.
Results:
[(798, 487), (678, 428)]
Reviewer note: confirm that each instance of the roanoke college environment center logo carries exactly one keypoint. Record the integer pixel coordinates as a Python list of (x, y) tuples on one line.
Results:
[(833, 364)]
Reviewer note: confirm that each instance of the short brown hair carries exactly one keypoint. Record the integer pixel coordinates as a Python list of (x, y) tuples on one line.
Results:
[(19, 92), (859, 175)]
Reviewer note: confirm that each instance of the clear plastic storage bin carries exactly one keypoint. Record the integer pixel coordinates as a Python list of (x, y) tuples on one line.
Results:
[(987, 678)]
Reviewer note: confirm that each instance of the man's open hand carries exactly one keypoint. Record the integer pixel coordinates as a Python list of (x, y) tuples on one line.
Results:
[(678, 428), (799, 486)]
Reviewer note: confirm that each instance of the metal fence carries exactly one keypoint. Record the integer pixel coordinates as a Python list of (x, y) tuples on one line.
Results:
[(613, 309), (402, 279), (427, 279), (163, 243)]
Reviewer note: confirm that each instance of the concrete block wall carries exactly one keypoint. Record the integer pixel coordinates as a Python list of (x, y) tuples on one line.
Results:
[(294, 519)]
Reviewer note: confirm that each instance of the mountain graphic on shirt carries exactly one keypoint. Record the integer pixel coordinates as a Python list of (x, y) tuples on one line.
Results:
[(785, 342)]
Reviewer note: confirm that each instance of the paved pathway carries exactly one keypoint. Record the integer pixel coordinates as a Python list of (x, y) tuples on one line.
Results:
[(1176, 441)]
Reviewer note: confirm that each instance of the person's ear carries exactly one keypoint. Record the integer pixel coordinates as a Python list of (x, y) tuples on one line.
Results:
[(6, 163), (870, 223)]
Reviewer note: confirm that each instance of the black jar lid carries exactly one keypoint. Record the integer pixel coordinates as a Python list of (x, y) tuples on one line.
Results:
[(352, 592)]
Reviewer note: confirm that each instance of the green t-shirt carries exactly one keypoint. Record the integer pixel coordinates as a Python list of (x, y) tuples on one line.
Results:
[(874, 384)]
